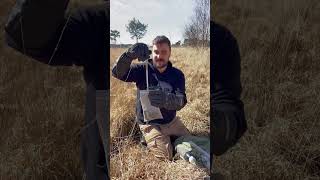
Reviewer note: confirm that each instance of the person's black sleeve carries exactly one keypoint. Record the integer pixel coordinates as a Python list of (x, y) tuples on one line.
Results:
[(125, 70), (227, 112), (42, 30), (180, 91)]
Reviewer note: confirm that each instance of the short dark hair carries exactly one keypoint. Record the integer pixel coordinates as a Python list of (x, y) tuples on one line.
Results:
[(161, 39)]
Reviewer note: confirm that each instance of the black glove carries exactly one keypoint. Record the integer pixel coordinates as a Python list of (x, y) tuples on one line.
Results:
[(157, 98), (229, 125), (140, 51), (169, 101)]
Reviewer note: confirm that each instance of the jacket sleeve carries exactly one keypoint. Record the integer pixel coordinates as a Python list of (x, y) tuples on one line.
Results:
[(227, 110), (179, 97), (125, 70), (43, 31)]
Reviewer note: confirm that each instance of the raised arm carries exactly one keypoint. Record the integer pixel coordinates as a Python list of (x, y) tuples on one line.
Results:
[(229, 122), (123, 69), (42, 30)]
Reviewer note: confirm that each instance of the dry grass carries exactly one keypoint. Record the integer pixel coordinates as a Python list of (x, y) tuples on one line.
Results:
[(128, 160), (41, 108), (279, 42), (41, 113)]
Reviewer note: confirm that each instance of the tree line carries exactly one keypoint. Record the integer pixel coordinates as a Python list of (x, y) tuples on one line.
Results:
[(196, 31)]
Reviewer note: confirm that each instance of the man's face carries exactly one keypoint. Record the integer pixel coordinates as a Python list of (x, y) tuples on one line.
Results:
[(160, 55)]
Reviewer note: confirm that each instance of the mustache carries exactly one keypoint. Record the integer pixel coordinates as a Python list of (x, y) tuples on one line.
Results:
[(158, 60)]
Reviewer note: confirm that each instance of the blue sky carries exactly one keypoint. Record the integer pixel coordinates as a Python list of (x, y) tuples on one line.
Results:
[(164, 17)]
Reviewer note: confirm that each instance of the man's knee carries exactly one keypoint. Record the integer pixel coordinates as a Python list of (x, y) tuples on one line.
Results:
[(161, 147), (175, 129), (158, 143), (179, 128)]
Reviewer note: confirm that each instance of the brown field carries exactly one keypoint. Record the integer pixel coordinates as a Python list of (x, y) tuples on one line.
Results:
[(41, 114), (279, 42), (128, 160), (42, 108)]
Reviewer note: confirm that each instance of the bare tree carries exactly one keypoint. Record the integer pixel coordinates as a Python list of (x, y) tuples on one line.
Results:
[(197, 31)]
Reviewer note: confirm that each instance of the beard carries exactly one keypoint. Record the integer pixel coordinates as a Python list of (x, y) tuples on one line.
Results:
[(160, 63)]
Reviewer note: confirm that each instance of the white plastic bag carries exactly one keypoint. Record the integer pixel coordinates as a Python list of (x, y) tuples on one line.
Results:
[(149, 112)]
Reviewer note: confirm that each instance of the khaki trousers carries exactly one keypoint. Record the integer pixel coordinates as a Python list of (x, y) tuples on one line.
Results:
[(158, 137)]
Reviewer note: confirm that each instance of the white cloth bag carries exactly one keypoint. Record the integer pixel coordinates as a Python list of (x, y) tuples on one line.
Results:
[(149, 112)]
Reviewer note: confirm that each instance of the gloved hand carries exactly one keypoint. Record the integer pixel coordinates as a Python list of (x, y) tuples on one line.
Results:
[(169, 101), (157, 98), (138, 50)]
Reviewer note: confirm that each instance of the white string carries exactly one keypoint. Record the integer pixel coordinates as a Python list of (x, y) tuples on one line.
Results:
[(22, 36), (127, 74), (147, 75), (145, 62), (56, 48)]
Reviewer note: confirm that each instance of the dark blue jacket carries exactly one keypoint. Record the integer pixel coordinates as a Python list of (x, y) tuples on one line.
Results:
[(171, 80)]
